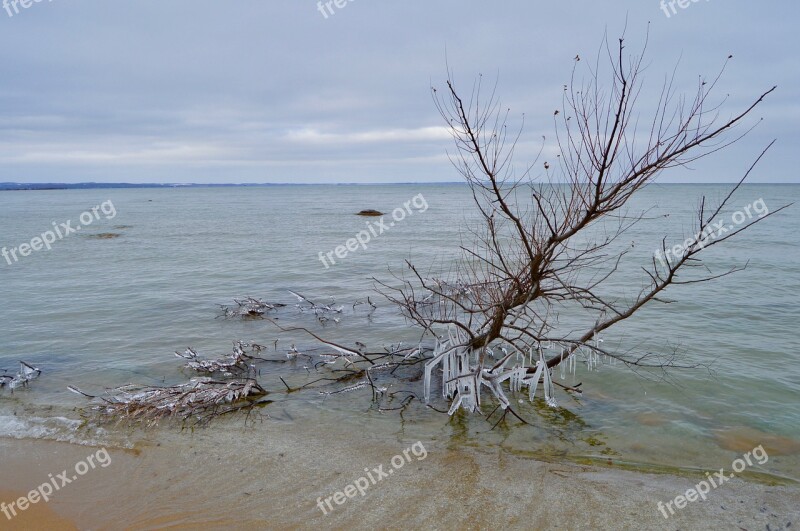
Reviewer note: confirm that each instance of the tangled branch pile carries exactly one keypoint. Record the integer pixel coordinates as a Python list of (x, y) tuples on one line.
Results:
[(26, 374), (238, 363), (249, 307), (198, 401)]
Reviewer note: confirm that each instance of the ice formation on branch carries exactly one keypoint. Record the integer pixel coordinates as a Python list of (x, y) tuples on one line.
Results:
[(200, 399), (27, 373), (463, 377), (236, 363), (249, 307)]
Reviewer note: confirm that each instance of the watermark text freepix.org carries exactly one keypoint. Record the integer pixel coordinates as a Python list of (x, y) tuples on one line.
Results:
[(45, 490), (326, 7), (363, 237), (8, 5), (712, 231), (60, 230), (668, 6), (373, 476), (701, 490)]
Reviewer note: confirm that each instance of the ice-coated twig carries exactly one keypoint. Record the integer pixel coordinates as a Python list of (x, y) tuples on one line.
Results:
[(237, 363), (26, 374), (249, 307), (349, 388), (199, 400)]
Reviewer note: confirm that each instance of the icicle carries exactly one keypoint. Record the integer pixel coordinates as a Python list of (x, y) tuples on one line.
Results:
[(477, 383), (517, 376), (549, 390), (455, 406), (438, 356), (446, 375), (533, 382)]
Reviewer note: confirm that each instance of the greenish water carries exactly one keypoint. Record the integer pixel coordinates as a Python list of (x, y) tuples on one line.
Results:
[(96, 312)]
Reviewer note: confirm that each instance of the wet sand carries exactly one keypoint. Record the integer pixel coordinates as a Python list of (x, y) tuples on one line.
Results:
[(240, 478), (38, 516)]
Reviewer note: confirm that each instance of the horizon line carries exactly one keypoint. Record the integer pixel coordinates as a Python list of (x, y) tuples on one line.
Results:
[(192, 184)]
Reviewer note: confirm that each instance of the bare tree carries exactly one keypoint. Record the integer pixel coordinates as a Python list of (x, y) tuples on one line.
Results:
[(548, 246)]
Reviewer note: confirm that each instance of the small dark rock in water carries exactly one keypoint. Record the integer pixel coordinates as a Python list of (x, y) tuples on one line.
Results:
[(369, 213), (105, 236), (122, 227)]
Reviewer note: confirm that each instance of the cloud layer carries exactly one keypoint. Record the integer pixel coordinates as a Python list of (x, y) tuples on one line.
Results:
[(254, 91)]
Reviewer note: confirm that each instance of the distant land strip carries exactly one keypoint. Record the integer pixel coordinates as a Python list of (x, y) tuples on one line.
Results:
[(89, 186)]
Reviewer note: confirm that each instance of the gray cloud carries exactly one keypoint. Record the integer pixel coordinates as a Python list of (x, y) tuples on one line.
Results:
[(272, 91)]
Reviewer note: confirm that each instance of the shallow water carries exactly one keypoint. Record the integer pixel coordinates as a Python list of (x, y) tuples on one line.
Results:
[(101, 312)]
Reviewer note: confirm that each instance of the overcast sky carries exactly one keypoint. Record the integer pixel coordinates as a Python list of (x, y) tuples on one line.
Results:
[(273, 91)]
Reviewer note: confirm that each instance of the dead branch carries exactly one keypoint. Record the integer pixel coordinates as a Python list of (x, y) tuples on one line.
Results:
[(196, 402), (549, 242), (26, 374)]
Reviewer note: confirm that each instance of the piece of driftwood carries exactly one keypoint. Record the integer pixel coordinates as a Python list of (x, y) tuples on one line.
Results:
[(249, 308), (238, 363), (323, 312), (198, 401), (255, 308), (26, 374)]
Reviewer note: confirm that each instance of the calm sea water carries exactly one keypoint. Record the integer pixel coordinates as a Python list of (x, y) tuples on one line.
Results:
[(96, 312)]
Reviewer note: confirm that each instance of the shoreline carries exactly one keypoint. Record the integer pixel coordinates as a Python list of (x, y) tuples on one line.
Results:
[(221, 479)]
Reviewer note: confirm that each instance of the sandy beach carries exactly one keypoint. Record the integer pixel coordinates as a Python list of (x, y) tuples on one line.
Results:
[(191, 481)]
